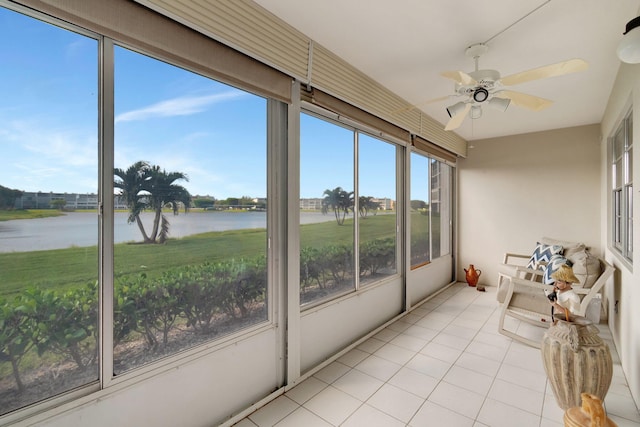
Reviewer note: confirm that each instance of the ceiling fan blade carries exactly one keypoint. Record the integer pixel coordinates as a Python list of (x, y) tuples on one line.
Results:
[(530, 102), (559, 69), (456, 121), (459, 77)]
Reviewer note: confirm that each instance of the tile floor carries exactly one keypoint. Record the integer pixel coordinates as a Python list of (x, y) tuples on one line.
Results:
[(443, 364)]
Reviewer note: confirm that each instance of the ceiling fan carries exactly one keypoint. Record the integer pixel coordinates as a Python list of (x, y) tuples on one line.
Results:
[(486, 87)]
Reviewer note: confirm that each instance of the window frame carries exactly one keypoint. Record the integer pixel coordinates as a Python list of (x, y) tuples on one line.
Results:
[(107, 382), (357, 129), (621, 197)]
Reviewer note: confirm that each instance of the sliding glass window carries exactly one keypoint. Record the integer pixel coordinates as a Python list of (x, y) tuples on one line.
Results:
[(337, 204), (190, 210), (431, 192), (621, 168), (48, 210), (327, 265), (378, 220)]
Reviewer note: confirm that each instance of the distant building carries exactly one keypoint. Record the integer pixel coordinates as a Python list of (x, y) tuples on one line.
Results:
[(72, 201)]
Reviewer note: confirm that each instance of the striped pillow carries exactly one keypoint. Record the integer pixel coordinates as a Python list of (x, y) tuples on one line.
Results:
[(543, 253)]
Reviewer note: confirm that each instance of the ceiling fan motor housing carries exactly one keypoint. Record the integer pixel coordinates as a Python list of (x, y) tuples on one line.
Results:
[(485, 84)]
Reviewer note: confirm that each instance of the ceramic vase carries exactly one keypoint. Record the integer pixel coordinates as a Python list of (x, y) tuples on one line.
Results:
[(472, 275), (576, 360)]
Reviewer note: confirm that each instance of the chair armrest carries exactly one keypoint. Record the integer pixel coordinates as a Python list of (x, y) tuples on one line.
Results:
[(509, 255), (516, 282), (521, 273)]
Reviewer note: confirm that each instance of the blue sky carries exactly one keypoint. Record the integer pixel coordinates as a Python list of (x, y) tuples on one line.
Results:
[(181, 121)]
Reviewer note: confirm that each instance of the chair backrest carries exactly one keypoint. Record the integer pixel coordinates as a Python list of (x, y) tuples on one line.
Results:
[(589, 293)]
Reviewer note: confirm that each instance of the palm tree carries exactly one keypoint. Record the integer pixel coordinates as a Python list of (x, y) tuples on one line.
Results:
[(366, 204), (146, 186), (165, 193), (340, 201), (131, 183)]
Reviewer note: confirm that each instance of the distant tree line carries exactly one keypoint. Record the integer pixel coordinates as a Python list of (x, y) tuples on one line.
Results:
[(8, 197), (341, 202)]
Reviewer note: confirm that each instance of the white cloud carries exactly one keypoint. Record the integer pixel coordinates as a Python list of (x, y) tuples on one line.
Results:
[(182, 106)]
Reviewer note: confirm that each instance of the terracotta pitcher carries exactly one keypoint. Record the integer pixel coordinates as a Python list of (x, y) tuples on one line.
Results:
[(473, 275)]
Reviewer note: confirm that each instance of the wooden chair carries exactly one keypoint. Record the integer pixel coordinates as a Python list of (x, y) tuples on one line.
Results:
[(525, 298)]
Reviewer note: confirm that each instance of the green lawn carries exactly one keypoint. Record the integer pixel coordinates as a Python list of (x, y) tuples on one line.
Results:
[(76, 266), (6, 215)]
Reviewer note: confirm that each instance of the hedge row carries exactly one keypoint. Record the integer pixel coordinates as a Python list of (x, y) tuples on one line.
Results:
[(192, 298), (65, 323), (333, 265)]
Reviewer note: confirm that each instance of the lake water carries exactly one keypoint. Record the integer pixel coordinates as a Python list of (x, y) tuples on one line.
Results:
[(81, 228)]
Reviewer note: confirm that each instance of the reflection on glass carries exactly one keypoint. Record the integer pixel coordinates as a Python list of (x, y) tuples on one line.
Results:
[(48, 210), (376, 208), (326, 210), (190, 210), (420, 211)]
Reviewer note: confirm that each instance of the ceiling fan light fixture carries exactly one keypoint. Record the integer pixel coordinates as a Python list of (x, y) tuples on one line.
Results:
[(480, 94), (499, 103), (629, 47), (456, 108), (476, 112)]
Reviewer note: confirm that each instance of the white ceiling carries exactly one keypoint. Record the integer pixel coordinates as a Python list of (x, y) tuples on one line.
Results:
[(405, 44)]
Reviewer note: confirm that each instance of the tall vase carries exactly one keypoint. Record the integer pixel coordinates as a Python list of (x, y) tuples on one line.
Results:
[(576, 360)]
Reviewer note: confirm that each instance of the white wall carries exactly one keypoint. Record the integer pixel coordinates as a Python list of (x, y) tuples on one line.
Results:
[(624, 321), (201, 392), (329, 328), (514, 190)]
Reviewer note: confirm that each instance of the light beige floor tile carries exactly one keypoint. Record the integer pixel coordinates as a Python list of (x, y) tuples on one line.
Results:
[(478, 364), (333, 405), (517, 396), (378, 367), (358, 384), (498, 414), (429, 365), (433, 414), (623, 422), (441, 352), (470, 375), (371, 345), (460, 331), (303, 417), (457, 399), (469, 380), (306, 390), (386, 335), (395, 354), (399, 326), (525, 357), (622, 406), (411, 318), (524, 377), (332, 372), (396, 402), (487, 350), (551, 410), (369, 416), (421, 332), (273, 412), (451, 341), (409, 342), (353, 357)]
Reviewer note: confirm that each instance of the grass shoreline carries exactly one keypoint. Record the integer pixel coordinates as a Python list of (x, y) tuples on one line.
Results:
[(76, 266)]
